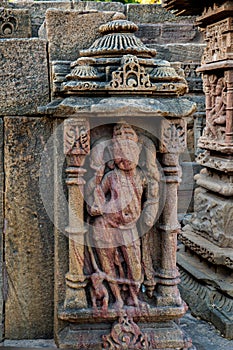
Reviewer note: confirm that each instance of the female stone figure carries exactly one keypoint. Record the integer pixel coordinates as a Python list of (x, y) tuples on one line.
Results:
[(217, 115), (116, 200)]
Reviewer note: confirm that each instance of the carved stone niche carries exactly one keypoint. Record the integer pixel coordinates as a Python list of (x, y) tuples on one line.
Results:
[(14, 23), (124, 128), (208, 235)]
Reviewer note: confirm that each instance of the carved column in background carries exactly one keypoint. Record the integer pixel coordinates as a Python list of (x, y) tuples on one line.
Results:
[(76, 147), (208, 239)]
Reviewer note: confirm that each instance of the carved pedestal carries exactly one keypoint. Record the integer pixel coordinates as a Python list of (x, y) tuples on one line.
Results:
[(122, 175), (208, 239)]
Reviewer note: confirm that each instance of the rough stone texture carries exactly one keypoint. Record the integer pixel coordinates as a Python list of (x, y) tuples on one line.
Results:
[(207, 292), (70, 31), (214, 220), (37, 10), (179, 52), (168, 33), (29, 343), (152, 14), (60, 221), (1, 224), (15, 23), (29, 240), (100, 6), (24, 76), (204, 335), (185, 191)]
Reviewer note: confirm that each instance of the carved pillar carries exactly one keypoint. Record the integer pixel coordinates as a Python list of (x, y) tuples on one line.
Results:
[(208, 235), (76, 147), (229, 106), (173, 142), (207, 90)]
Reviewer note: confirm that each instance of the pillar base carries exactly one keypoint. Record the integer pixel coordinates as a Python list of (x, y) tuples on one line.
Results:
[(168, 295), (120, 330), (75, 292)]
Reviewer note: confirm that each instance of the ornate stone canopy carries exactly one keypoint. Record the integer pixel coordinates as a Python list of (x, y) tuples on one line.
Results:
[(118, 63)]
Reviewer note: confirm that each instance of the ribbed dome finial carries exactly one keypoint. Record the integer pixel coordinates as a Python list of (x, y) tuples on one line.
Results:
[(118, 39)]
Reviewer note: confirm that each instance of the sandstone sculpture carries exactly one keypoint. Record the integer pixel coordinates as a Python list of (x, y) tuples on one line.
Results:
[(123, 175)]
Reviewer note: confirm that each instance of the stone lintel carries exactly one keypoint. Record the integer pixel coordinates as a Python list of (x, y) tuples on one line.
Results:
[(223, 64), (215, 13), (122, 107)]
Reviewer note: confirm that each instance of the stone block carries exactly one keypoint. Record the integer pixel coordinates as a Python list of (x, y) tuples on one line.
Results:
[(24, 76), (212, 217), (186, 188), (37, 10), (29, 242), (179, 52), (99, 6), (15, 23), (199, 99), (178, 33), (70, 31), (167, 33), (149, 33), (152, 14)]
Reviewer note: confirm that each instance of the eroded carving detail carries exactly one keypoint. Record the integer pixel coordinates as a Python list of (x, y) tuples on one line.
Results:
[(76, 140), (130, 75), (218, 39), (216, 182), (222, 164), (8, 23), (173, 136), (212, 218), (216, 121), (125, 334), (212, 298), (197, 248)]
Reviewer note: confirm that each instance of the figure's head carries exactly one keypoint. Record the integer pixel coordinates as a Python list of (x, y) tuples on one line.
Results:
[(126, 150), (220, 86)]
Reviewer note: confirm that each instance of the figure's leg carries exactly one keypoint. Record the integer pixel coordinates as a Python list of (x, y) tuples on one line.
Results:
[(132, 257), (106, 257), (147, 262)]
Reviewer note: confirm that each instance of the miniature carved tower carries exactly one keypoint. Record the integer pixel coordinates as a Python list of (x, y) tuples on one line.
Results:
[(124, 128)]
